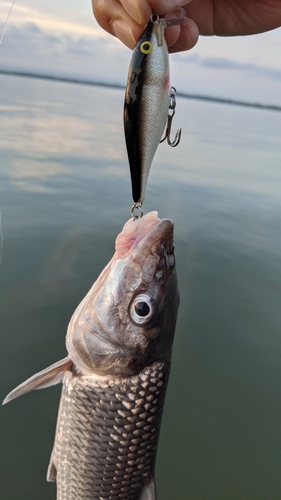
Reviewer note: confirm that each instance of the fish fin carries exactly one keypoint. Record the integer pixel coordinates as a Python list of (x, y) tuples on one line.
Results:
[(149, 491), (52, 472), (50, 376)]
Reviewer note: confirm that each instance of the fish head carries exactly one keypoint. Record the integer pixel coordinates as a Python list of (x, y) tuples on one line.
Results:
[(127, 320)]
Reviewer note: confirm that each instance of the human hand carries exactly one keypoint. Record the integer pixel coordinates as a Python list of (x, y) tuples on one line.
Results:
[(126, 18)]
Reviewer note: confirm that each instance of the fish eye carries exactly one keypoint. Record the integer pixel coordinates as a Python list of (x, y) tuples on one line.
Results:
[(141, 309), (146, 47)]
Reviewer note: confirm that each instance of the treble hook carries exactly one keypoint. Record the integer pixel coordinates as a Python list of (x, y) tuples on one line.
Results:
[(172, 108)]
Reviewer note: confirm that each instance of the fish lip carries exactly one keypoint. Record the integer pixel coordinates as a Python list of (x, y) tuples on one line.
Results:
[(162, 232), (136, 234)]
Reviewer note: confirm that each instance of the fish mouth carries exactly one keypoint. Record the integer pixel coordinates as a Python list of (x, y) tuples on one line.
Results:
[(147, 231), (157, 247), (163, 233)]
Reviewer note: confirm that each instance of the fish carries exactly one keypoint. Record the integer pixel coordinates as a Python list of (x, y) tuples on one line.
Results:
[(115, 375), (148, 97)]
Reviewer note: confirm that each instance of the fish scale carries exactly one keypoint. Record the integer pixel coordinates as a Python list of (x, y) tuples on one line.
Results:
[(107, 434)]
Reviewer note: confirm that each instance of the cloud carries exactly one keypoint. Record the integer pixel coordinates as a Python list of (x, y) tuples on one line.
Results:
[(232, 77), (223, 63), (61, 17), (29, 47), (95, 55)]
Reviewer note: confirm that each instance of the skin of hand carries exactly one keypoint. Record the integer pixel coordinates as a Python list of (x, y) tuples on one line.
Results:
[(126, 19)]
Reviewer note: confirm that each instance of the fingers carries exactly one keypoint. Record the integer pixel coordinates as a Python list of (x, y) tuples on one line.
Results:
[(185, 39), (113, 18), (126, 19), (127, 32), (165, 7), (139, 12)]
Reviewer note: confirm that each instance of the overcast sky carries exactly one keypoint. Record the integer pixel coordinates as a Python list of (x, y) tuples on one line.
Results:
[(63, 38)]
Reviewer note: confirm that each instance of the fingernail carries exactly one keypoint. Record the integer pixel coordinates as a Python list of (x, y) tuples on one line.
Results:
[(178, 13), (122, 30), (134, 11)]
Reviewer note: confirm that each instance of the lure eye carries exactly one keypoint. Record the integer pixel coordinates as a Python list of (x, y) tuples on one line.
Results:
[(141, 309), (146, 47)]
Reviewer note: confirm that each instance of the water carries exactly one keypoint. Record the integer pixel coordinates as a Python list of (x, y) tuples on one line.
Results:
[(64, 195)]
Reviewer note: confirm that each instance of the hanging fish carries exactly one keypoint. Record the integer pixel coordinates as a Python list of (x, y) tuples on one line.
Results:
[(115, 376), (148, 98)]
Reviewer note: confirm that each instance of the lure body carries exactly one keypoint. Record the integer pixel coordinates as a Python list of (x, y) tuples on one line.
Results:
[(119, 344), (146, 105)]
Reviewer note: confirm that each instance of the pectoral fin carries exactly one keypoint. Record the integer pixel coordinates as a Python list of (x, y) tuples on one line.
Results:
[(149, 491), (50, 376)]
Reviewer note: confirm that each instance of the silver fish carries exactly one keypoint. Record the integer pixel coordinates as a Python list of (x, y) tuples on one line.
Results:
[(148, 98), (119, 344)]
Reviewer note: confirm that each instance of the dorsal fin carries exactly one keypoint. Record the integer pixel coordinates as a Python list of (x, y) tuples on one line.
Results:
[(50, 376)]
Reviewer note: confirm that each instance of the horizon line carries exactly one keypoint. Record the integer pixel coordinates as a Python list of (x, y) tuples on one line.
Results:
[(198, 97)]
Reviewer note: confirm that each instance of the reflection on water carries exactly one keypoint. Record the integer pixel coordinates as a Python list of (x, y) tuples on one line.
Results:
[(65, 194), (1, 239), (56, 133)]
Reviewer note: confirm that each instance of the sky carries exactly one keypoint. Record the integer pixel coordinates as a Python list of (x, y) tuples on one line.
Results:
[(62, 38)]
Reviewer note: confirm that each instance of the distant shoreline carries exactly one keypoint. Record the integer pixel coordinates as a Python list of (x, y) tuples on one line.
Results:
[(198, 97)]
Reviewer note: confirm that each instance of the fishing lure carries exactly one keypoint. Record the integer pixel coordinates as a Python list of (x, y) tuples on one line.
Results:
[(149, 103)]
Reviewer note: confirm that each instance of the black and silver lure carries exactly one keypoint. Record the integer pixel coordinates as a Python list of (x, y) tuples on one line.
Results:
[(149, 103)]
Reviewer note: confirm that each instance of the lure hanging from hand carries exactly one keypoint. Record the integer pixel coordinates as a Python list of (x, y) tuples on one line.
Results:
[(149, 103)]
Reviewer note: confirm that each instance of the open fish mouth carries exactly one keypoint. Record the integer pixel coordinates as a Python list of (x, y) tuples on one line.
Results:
[(148, 230)]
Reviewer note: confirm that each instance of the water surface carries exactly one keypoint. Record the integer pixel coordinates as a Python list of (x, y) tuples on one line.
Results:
[(64, 196)]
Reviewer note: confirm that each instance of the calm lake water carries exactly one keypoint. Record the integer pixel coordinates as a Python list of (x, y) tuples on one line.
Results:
[(64, 195)]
